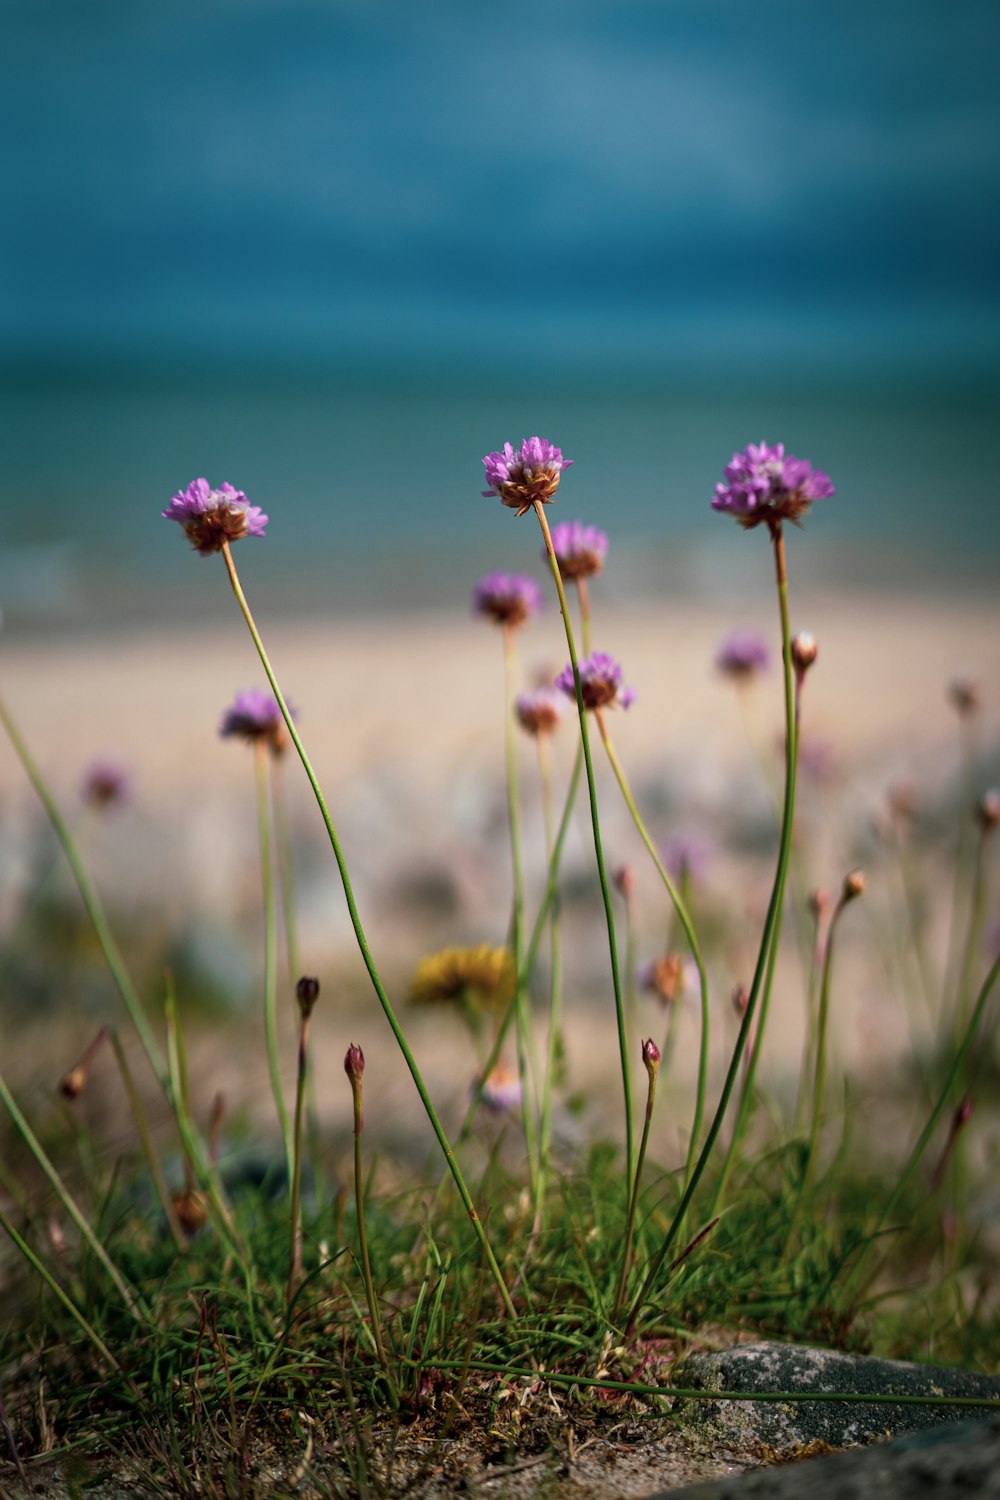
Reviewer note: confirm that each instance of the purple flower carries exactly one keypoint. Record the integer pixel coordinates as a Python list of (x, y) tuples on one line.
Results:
[(580, 550), (539, 711), (106, 783), (600, 682), (210, 517), (765, 485), (501, 1090), (507, 598), (742, 655), (255, 716), (521, 478), (686, 856)]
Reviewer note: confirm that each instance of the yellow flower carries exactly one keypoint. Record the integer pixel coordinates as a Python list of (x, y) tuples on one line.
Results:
[(483, 978)]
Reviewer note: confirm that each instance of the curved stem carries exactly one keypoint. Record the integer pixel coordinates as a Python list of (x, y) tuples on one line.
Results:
[(685, 920), (598, 847), (555, 991), (271, 953), (769, 934), (362, 942)]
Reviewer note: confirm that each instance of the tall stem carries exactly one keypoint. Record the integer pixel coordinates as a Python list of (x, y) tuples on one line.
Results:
[(555, 989), (362, 942), (271, 952), (685, 920), (598, 847), (295, 1221), (769, 934)]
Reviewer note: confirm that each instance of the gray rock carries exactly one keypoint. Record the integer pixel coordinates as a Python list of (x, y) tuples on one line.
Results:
[(949, 1462), (789, 1425)]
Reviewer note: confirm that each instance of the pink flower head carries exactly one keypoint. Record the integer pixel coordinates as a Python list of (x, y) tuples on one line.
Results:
[(501, 1090), (539, 711), (742, 655), (600, 682), (106, 783), (255, 716), (580, 550), (507, 598), (765, 485), (521, 477), (210, 517)]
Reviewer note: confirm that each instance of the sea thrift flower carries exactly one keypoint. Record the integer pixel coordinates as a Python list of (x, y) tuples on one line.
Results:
[(210, 517), (106, 783), (482, 977), (539, 711), (600, 682), (501, 1091), (254, 715), (580, 550), (804, 652), (507, 598), (354, 1063), (742, 655), (520, 478), (765, 485)]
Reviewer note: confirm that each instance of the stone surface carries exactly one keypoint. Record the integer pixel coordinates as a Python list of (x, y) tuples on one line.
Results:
[(949, 1462), (790, 1425)]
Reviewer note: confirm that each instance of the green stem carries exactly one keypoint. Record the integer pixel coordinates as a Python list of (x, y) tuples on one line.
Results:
[(977, 916), (685, 920), (770, 933), (146, 1141), (270, 950), (366, 1268), (629, 1247), (295, 1217), (286, 866), (555, 992), (131, 1301), (598, 847), (362, 942)]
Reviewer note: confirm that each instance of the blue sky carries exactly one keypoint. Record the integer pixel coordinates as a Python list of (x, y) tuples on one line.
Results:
[(640, 184)]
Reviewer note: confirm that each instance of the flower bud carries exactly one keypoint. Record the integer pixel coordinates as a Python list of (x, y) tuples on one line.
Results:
[(623, 879), (307, 993), (819, 903), (804, 651), (650, 1057), (72, 1084), (854, 885), (354, 1063), (740, 1000), (988, 811), (963, 1113)]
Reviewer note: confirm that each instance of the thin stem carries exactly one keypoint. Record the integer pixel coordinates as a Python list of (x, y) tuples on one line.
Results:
[(977, 916), (131, 1301), (769, 934), (685, 920), (629, 1248), (295, 1217), (146, 1141), (366, 1268), (286, 865), (270, 950), (583, 594), (555, 990), (598, 847), (362, 942)]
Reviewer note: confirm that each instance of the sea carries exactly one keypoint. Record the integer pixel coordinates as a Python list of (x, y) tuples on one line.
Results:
[(372, 485)]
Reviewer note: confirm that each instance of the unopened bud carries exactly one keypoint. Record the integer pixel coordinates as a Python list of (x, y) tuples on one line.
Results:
[(307, 993), (988, 811), (854, 885), (740, 1000), (354, 1063), (72, 1084), (963, 694), (963, 1114), (804, 651), (189, 1206), (650, 1057), (624, 880), (819, 903)]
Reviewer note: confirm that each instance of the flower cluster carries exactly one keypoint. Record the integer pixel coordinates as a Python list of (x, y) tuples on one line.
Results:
[(255, 716), (539, 711), (600, 682), (211, 517), (522, 477), (482, 978), (580, 550), (742, 655), (767, 485), (507, 598)]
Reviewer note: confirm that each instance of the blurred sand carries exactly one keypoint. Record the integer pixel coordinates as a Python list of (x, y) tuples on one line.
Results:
[(403, 719)]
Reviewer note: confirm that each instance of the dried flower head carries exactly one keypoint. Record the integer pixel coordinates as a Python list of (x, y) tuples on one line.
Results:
[(255, 716), (539, 711), (580, 550), (854, 885), (742, 655), (507, 598), (501, 1090), (72, 1083), (600, 682), (191, 1208), (525, 476), (307, 993), (767, 485), (210, 517), (804, 651), (106, 783), (483, 978), (666, 977)]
